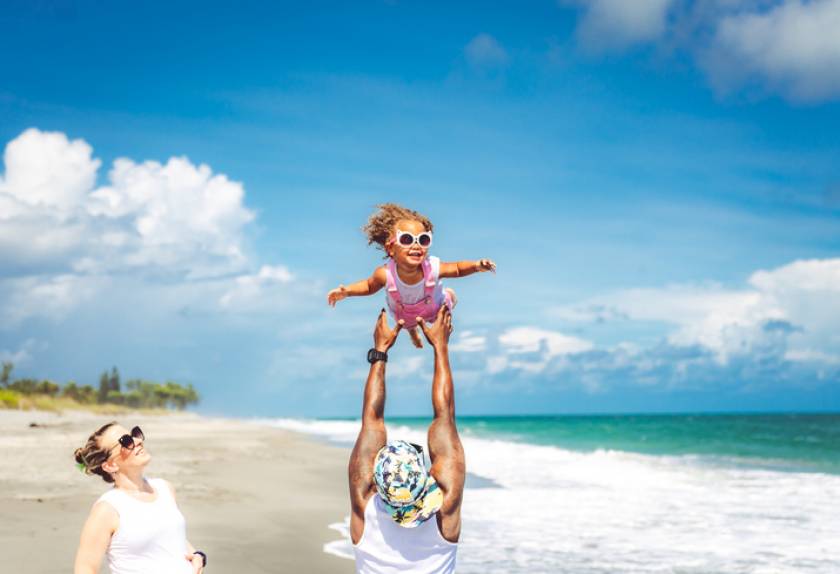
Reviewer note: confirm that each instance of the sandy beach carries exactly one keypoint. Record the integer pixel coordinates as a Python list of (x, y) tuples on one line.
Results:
[(256, 499)]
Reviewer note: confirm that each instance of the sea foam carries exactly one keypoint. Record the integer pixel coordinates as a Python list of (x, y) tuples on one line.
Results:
[(563, 511)]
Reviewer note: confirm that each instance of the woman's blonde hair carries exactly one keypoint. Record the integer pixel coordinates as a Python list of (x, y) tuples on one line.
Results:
[(91, 457), (381, 223)]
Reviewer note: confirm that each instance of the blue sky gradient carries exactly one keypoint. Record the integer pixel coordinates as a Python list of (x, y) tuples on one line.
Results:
[(663, 205)]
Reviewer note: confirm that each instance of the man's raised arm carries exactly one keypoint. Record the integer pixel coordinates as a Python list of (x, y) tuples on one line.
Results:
[(372, 435), (445, 449)]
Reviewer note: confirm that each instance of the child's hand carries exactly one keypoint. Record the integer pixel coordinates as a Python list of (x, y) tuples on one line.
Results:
[(337, 295), (486, 265)]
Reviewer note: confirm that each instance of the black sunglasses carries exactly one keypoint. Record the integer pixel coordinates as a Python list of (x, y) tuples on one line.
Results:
[(127, 440), (418, 448)]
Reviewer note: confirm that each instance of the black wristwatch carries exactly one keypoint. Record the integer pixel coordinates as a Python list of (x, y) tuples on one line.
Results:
[(203, 557), (374, 355)]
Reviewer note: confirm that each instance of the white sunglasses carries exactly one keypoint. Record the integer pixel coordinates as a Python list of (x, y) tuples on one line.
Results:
[(406, 239)]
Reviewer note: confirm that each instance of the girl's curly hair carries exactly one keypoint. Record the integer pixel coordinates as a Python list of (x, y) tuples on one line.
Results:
[(380, 225), (91, 457)]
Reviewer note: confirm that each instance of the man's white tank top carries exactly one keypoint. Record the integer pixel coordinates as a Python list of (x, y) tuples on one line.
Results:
[(151, 536), (388, 548)]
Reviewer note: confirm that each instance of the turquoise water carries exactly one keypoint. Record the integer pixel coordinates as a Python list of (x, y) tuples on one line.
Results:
[(639, 494), (796, 442)]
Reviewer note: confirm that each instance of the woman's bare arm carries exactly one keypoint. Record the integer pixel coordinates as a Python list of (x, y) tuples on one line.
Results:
[(96, 535), (361, 288), (464, 268), (195, 560)]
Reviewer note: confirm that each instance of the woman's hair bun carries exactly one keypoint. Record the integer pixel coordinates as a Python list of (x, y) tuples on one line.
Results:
[(90, 457)]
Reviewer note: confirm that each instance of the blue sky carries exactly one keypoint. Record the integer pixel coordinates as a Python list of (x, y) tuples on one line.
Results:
[(658, 183)]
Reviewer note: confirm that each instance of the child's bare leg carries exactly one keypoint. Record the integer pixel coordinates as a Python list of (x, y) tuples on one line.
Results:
[(452, 296), (415, 337)]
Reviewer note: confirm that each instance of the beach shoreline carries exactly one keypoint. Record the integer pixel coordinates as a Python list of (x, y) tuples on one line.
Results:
[(255, 498)]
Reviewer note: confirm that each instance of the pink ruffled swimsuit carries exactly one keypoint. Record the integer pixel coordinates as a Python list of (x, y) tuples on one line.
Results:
[(433, 297)]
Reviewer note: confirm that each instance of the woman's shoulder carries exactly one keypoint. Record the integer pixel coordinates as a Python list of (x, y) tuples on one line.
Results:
[(106, 509)]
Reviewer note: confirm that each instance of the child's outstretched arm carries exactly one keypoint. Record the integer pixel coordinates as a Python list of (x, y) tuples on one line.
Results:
[(367, 286), (464, 268)]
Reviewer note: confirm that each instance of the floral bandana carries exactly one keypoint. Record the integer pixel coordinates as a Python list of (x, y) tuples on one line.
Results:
[(411, 495)]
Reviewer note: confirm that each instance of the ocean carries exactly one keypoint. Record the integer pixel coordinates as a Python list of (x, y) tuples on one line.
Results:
[(681, 494)]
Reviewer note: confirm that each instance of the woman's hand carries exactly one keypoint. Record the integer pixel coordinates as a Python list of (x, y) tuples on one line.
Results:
[(337, 295), (196, 561), (485, 265)]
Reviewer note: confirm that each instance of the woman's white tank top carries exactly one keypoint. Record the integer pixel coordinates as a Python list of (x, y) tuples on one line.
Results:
[(151, 537), (388, 548)]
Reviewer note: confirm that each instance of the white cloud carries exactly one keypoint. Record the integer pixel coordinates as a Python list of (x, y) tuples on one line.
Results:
[(793, 48), (49, 297), (175, 217), (790, 47), (256, 291), (531, 339), (796, 306), (531, 350), (48, 171), (175, 211), (485, 52), (410, 367), (62, 236), (781, 328), (24, 353), (469, 342), (615, 24)]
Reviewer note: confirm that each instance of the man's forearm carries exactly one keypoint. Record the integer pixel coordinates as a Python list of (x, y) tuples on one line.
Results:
[(373, 408), (443, 393)]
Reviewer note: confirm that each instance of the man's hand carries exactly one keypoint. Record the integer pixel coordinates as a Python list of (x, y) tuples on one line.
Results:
[(337, 295), (438, 333), (383, 336)]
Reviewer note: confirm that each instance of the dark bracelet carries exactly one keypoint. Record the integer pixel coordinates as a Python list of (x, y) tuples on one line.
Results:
[(203, 557)]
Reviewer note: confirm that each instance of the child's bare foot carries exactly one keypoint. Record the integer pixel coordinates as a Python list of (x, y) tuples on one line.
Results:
[(415, 337), (452, 297)]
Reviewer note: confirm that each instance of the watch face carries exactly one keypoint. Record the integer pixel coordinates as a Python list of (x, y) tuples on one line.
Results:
[(374, 355)]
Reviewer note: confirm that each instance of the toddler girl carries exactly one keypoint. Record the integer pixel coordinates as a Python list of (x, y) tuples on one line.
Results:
[(412, 278)]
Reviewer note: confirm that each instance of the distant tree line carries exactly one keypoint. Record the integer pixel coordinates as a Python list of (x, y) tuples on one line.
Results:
[(138, 393)]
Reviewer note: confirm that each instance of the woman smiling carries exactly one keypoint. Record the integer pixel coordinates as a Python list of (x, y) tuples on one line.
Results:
[(136, 523)]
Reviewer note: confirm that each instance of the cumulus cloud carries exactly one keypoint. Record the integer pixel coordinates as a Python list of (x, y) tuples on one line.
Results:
[(793, 48), (789, 47), (469, 342), (781, 327), (62, 235), (532, 349), (614, 24), (530, 339), (171, 213), (46, 170), (485, 52), (47, 297), (254, 292), (172, 217)]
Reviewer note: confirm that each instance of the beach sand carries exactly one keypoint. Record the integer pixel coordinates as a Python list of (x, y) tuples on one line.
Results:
[(256, 499)]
